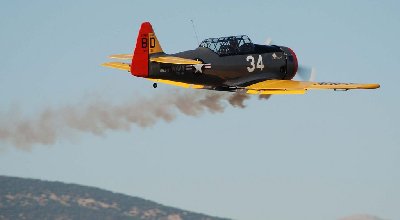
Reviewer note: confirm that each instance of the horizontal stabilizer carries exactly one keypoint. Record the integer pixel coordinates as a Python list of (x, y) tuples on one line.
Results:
[(117, 65), (174, 60), (121, 56)]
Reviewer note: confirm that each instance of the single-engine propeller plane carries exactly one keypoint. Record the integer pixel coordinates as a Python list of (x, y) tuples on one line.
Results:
[(225, 64)]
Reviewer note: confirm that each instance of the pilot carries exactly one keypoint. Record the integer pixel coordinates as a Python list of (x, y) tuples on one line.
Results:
[(234, 45)]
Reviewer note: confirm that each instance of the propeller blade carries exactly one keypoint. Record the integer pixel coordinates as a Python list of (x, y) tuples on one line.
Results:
[(268, 41), (306, 73)]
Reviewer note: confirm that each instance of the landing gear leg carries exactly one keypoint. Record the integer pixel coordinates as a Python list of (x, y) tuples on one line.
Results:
[(154, 85)]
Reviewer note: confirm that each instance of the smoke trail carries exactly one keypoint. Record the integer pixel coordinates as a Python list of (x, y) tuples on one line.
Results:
[(266, 97), (362, 217), (237, 100), (98, 117)]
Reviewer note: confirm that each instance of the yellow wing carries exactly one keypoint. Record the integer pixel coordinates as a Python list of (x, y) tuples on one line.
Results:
[(117, 65), (300, 87), (174, 60)]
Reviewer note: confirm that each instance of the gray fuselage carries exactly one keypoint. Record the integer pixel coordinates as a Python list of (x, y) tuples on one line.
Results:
[(224, 71)]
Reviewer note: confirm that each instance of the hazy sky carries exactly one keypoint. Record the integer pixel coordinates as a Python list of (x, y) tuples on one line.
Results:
[(323, 155)]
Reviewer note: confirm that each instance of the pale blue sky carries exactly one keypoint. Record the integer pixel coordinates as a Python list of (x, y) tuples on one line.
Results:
[(323, 155)]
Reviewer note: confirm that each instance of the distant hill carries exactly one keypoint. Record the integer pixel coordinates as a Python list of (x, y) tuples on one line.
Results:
[(36, 199)]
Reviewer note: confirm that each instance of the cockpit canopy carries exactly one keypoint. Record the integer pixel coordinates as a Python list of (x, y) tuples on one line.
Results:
[(225, 46)]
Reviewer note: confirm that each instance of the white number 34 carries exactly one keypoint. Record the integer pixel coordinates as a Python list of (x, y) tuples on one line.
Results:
[(253, 66)]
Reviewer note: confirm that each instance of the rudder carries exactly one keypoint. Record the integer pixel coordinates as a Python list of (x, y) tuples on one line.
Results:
[(146, 44)]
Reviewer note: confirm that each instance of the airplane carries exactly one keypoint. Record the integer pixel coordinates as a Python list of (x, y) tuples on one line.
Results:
[(233, 64)]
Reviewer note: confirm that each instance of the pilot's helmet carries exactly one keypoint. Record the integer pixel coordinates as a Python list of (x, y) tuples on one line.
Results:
[(233, 42)]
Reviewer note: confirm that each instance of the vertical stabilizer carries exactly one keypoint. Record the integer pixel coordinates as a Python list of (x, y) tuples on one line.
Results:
[(146, 44)]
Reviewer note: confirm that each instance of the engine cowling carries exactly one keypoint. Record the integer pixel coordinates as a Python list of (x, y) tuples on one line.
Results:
[(292, 64)]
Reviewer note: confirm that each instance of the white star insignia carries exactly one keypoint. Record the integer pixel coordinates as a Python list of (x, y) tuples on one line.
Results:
[(198, 68)]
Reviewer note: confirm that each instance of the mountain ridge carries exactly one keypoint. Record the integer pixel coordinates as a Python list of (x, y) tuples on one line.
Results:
[(23, 198)]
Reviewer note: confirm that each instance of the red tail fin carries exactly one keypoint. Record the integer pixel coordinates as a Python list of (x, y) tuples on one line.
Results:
[(146, 44)]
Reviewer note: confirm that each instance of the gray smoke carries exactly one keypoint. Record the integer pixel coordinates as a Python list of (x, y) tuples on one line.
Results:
[(237, 100), (266, 97), (98, 117), (361, 217)]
